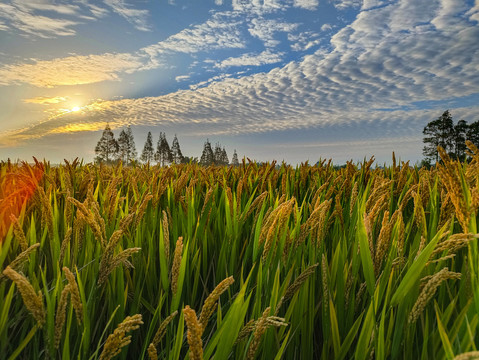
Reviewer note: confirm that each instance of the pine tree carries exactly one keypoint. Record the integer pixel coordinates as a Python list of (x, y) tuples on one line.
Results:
[(460, 134), (217, 154), (439, 132), (107, 147), (207, 157), (147, 154), (472, 133), (127, 149), (224, 157), (176, 151), (123, 147), (163, 153), (234, 159)]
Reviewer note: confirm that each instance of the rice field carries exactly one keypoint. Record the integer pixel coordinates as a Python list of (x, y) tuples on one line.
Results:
[(249, 262)]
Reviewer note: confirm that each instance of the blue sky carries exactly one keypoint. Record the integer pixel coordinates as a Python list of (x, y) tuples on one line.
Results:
[(290, 80)]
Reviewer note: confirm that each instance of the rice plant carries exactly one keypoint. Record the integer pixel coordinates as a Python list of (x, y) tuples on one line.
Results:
[(251, 262)]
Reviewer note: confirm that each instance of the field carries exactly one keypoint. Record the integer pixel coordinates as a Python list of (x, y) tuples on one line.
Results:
[(255, 261)]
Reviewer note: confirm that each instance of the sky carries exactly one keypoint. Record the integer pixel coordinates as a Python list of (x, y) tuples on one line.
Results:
[(289, 80)]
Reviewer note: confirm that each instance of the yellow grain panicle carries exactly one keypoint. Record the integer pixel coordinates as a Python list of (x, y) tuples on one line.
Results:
[(118, 340), (194, 334), (75, 294), (175, 268), (17, 263), (152, 353), (33, 302), (472, 355), (429, 290), (166, 235), (19, 234), (210, 302), (60, 316), (162, 329)]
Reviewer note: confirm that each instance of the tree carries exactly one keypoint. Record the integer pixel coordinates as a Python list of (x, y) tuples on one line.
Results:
[(217, 154), (234, 159), (176, 151), (472, 133), (107, 147), (163, 153), (439, 132), (224, 157), (126, 143), (460, 134), (147, 154), (207, 157)]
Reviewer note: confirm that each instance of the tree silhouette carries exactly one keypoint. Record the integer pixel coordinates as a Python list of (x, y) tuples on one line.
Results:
[(127, 149), (207, 157), (176, 151), (234, 159), (107, 147), (163, 153), (460, 135), (147, 154), (472, 133), (439, 132)]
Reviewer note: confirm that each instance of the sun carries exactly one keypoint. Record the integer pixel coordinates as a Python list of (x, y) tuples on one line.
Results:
[(76, 108)]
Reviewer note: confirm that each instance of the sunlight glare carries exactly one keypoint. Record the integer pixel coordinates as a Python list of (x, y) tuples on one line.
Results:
[(76, 108)]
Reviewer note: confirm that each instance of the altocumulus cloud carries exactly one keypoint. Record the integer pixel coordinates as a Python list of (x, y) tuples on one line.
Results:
[(390, 57), (72, 70)]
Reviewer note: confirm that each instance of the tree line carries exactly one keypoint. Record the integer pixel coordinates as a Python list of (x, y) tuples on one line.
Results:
[(109, 150), (451, 137)]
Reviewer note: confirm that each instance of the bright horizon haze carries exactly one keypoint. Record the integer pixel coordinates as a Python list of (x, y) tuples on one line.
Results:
[(291, 80)]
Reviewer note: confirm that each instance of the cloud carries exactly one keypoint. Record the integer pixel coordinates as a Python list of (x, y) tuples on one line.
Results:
[(345, 4), (182, 78), (258, 7), (136, 17), (304, 40), (23, 17), (252, 59), (266, 29), (43, 100), (370, 82), (72, 70), (307, 4), (221, 31)]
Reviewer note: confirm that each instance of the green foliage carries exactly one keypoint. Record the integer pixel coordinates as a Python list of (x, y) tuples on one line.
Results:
[(327, 263)]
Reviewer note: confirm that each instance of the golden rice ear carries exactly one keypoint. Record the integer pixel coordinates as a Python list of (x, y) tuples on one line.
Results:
[(118, 340), (175, 268), (194, 334), (210, 302), (33, 301)]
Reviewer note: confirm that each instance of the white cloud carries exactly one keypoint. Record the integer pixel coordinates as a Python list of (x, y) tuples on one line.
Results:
[(252, 59), (72, 70), (345, 4), (136, 17), (182, 78), (220, 32), (326, 27), (307, 4), (389, 57), (258, 6), (266, 29), (23, 18), (304, 40)]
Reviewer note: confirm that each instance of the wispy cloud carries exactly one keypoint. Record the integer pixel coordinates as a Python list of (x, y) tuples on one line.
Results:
[(44, 100), (266, 29), (136, 17), (23, 17), (72, 70), (307, 4), (252, 59)]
